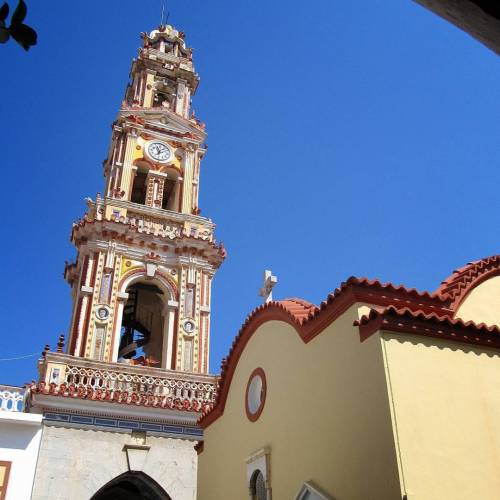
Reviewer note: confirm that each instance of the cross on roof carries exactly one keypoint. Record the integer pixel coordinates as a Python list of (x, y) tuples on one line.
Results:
[(267, 290)]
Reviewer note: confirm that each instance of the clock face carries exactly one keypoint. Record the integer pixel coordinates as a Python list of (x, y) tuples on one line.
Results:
[(159, 151)]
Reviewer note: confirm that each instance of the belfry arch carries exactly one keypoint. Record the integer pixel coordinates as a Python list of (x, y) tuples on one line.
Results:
[(144, 333), (132, 486)]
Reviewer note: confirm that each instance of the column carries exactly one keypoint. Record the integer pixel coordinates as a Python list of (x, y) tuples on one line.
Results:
[(121, 300), (127, 169), (168, 334), (188, 180)]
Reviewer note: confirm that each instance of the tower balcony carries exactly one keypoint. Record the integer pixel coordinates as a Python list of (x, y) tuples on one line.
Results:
[(71, 377), (152, 220)]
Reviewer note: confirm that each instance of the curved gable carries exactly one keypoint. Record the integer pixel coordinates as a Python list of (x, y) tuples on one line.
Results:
[(482, 303), (474, 291)]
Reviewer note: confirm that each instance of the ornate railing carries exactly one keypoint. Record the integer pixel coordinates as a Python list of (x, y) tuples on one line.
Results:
[(68, 376), (12, 398), (153, 225), (158, 221)]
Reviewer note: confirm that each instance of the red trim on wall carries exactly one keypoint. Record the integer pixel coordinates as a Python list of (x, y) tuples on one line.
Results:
[(85, 271), (174, 341), (258, 372), (200, 343), (76, 322), (85, 331)]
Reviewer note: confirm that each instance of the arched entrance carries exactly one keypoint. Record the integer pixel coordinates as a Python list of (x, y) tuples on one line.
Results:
[(131, 486)]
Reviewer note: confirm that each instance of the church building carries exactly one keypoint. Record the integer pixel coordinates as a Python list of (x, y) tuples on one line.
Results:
[(381, 392)]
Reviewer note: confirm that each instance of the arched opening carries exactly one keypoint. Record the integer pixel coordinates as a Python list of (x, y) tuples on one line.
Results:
[(131, 486), (258, 486), (171, 190), (144, 325), (139, 187)]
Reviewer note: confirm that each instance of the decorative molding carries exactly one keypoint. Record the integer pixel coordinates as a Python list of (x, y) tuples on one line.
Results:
[(124, 424)]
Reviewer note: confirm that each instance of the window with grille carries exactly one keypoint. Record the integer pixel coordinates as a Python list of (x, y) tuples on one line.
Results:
[(258, 486)]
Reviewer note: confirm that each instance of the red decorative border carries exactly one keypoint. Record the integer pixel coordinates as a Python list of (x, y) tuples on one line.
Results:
[(258, 372)]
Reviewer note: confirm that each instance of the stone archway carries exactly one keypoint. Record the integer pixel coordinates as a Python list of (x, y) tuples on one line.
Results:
[(131, 486)]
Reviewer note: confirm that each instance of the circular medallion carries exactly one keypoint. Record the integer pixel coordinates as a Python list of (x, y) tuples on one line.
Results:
[(189, 326), (102, 313), (255, 396), (159, 151)]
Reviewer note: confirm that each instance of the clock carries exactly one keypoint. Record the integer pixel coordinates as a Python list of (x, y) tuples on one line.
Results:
[(159, 151)]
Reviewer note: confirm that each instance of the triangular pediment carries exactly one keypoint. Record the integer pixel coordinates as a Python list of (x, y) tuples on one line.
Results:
[(165, 121)]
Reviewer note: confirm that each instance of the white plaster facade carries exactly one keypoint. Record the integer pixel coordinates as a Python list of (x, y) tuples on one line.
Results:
[(75, 463), (20, 435)]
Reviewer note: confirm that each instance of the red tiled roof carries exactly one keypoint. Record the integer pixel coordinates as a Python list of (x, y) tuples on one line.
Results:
[(121, 397), (455, 288), (404, 320), (378, 293), (300, 309)]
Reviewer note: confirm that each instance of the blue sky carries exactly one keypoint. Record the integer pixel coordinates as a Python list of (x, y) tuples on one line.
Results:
[(345, 138)]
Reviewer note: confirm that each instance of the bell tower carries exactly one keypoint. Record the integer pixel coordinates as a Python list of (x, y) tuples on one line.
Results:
[(122, 398), (145, 257)]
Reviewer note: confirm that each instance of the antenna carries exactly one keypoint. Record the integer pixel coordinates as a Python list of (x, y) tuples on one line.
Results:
[(163, 6)]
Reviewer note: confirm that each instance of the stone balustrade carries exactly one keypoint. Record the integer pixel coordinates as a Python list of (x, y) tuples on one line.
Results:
[(68, 376), (158, 221), (12, 398)]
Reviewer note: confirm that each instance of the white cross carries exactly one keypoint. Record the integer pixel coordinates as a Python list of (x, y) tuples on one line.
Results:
[(267, 290)]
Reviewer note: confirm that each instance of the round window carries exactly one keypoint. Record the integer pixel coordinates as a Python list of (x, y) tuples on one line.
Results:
[(255, 394)]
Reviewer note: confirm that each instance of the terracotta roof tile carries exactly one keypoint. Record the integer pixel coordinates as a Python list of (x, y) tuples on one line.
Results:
[(428, 324)]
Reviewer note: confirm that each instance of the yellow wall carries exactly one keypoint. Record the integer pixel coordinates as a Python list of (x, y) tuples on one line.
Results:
[(447, 414), (482, 305), (326, 418)]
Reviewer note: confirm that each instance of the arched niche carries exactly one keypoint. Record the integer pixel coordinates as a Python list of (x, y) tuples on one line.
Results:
[(131, 486), (146, 320)]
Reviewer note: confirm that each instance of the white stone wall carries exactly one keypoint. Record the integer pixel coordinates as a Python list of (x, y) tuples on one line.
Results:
[(74, 464), (19, 442)]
